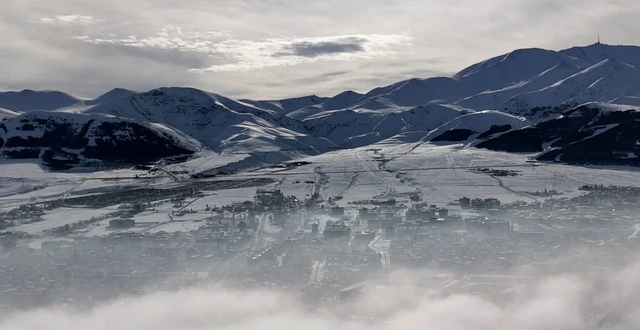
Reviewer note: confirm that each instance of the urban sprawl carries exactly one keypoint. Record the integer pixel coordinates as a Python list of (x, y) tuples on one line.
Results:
[(323, 250)]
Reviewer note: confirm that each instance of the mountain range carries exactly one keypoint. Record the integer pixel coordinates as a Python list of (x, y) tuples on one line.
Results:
[(575, 105)]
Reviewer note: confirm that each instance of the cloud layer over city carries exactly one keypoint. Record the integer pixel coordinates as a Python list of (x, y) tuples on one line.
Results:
[(273, 49), (560, 302)]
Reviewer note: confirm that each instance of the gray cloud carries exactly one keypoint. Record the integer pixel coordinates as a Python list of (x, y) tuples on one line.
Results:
[(230, 45), (315, 49), (334, 73), (185, 60)]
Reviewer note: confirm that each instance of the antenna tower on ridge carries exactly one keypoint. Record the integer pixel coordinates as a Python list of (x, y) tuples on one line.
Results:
[(598, 38)]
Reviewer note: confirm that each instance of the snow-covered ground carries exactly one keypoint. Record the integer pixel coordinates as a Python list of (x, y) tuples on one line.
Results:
[(25, 181), (60, 217), (440, 174)]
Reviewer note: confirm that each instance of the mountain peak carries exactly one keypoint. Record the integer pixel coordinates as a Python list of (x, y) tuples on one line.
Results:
[(111, 95), (596, 53), (29, 100)]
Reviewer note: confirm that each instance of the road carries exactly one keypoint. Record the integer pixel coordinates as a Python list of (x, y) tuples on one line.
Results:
[(370, 169), (169, 174), (170, 216), (317, 271), (381, 246), (258, 242), (374, 172), (511, 190), (68, 192)]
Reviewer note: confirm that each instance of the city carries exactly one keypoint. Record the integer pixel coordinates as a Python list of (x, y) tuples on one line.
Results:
[(320, 250)]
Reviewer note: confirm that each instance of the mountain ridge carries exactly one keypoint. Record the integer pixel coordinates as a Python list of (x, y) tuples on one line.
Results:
[(514, 92)]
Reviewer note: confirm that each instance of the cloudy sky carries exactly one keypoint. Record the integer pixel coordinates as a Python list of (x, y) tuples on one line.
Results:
[(271, 49)]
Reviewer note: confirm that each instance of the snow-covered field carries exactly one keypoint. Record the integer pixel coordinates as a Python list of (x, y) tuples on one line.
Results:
[(439, 174), (27, 181), (60, 217)]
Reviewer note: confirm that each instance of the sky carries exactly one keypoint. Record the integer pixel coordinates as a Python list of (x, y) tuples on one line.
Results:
[(272, 49)]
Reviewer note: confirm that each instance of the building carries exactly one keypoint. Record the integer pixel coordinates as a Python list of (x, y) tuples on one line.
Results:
[(465, 202), (382, 223), (337, 211), (138, 207), (336, 229), (366, 214), (122, 223), (364, 236), (269, 198), (485, 204), (488, 226), (429, 214), (8, 237)]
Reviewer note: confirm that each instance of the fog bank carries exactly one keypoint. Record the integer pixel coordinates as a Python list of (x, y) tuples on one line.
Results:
[(561, 302)]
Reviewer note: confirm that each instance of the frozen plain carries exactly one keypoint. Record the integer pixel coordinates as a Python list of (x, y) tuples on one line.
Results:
[(440, 174)]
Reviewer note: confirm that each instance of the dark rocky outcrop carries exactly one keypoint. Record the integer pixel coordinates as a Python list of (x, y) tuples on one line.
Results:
[(62, 141), (454, 135), (583, 135)]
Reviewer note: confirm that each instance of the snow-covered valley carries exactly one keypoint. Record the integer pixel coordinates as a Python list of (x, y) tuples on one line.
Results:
[(556, 119)]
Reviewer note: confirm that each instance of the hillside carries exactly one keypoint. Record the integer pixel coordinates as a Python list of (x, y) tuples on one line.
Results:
[(218, 122), (528, 94), (477, 125), (63, 140), (29, 100), (588, 134)]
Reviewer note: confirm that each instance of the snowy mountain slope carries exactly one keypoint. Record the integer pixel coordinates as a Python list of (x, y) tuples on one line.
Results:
[(479, 104), (216, 121), (355, 128), (599, 52), (63, 140), (111, 95), (481, 124), (605, 81), (479, 86), (497, 98), (431, 116), (505, 82), (29, 100), (343, 100), (416, 92), (287, 106), (587, 134), (514, 68), (6, 113)]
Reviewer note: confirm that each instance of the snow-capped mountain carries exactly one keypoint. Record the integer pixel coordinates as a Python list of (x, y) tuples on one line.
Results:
[(593, 133), (489, 104), (477, 125), (356, 128), (288, 105), (111, 95), (607, 81), (29, 100), (216, 121), (63, 140)]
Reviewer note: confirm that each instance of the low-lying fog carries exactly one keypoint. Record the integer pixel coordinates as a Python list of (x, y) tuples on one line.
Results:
[(571, 301)]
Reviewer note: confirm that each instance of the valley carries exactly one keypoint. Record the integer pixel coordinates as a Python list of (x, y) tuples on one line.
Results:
[(497, 171)]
